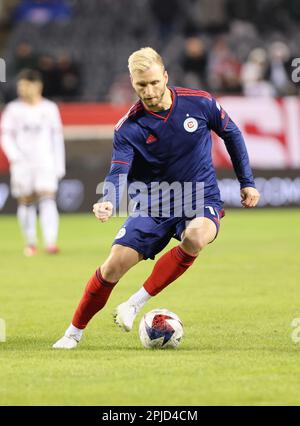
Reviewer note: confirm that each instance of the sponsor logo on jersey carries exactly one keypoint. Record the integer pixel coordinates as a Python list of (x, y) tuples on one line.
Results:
[(151, 138), (190, 124)]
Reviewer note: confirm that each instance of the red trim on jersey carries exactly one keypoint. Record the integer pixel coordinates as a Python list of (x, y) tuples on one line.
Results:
[(120, 162), (199, 95), (132, 110), (169, 113), (136, 107), (181, 91)]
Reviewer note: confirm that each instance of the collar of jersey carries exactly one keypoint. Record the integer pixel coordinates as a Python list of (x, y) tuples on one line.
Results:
[(160, 117)]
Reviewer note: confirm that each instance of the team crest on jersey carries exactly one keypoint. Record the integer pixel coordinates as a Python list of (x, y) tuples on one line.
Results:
[(190, 124), (121, 233)]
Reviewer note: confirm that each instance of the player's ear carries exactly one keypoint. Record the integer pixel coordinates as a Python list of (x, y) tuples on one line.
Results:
[(166, 76)]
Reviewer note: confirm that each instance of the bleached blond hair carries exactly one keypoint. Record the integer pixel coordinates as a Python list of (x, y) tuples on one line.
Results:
[(142, 59)]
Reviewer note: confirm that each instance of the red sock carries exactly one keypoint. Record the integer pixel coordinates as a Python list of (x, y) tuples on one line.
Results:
[(96, 294), (167, 269)]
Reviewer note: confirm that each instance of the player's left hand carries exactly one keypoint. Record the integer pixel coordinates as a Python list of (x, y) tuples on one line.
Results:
[(249, 197)]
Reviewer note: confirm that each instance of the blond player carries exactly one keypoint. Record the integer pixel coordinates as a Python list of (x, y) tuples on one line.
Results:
[(32, 140), (165, 137)]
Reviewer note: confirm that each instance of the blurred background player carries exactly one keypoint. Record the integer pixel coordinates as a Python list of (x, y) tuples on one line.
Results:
[(160, 139), (32, 139)]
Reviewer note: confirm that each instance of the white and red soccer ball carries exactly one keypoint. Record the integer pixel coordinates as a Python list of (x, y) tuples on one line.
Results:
[(161, 329)]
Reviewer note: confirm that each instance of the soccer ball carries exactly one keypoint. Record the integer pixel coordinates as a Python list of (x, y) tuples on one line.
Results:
[(160, 329)]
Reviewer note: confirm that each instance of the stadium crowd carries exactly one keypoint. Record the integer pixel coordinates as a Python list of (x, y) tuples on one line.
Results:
[(223, 46)]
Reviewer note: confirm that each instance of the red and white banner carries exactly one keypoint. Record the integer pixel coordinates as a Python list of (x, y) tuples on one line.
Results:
[(271, 128)]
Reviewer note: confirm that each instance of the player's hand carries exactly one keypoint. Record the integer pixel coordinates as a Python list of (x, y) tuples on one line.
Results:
[(103, 211), (249, 197)]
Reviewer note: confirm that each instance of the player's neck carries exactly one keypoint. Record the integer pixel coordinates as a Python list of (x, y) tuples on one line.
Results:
[(164, 104), (33, 101)]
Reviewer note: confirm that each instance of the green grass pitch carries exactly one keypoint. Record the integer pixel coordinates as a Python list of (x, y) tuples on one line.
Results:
[(237, 303)]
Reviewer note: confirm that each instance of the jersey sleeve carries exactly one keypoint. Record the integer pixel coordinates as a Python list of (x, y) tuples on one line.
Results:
[(58, 143), (8, 136), (221, 123), (116, 181)]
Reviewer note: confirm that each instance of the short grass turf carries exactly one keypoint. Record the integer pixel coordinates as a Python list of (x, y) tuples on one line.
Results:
[(237, 303)]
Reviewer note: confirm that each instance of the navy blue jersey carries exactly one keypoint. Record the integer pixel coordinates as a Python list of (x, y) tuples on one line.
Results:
[(175, 146)]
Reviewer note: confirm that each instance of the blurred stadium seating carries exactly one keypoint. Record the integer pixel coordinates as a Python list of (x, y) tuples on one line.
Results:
[(204, 42), (228, 47)]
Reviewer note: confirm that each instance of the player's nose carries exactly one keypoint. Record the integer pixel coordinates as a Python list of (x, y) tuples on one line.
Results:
[(148, 91)]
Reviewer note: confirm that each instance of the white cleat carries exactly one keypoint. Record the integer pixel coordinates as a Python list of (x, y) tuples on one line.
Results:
[(125, 315), (66, 342)]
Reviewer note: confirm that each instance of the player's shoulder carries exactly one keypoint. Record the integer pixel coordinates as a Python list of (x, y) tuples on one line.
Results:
[(127, 122), (48, 104), (13, 105), (186, 92)]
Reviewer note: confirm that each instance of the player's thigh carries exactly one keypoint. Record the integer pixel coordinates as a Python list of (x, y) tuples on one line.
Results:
[(146, 235), (119, 261), (199, 232), (22, 182)]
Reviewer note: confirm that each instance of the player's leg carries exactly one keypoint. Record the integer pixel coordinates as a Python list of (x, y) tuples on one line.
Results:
[(97, 292), (200, 232), (150, 235), (26, 213), (45, 184), (49, 220), (22, 189)]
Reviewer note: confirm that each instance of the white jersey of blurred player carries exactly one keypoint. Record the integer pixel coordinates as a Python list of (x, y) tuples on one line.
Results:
[(33, 142), (32, 139)]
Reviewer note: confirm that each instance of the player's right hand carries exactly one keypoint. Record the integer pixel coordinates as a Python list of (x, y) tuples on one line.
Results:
[(103, 211)]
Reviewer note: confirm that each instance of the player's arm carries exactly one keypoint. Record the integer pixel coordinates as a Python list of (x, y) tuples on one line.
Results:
[(116, 181), (8, 137), (58, 144), (222, 124)]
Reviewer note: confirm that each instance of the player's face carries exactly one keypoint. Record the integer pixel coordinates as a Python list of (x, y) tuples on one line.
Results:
[(29, 90), (150, 85)]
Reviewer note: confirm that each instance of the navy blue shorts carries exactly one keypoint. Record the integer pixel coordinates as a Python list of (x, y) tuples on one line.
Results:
[(150, 235)]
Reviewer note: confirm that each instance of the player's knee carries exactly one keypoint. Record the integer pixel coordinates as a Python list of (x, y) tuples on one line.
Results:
[(195, 241), (111, 271), (114, 268)]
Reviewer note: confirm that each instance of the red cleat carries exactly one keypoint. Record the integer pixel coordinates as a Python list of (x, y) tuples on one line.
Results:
[(52, 250), (30, 251)]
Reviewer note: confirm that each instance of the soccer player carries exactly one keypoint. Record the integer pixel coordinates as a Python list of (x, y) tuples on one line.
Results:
[(32, 140), (164, 137)]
